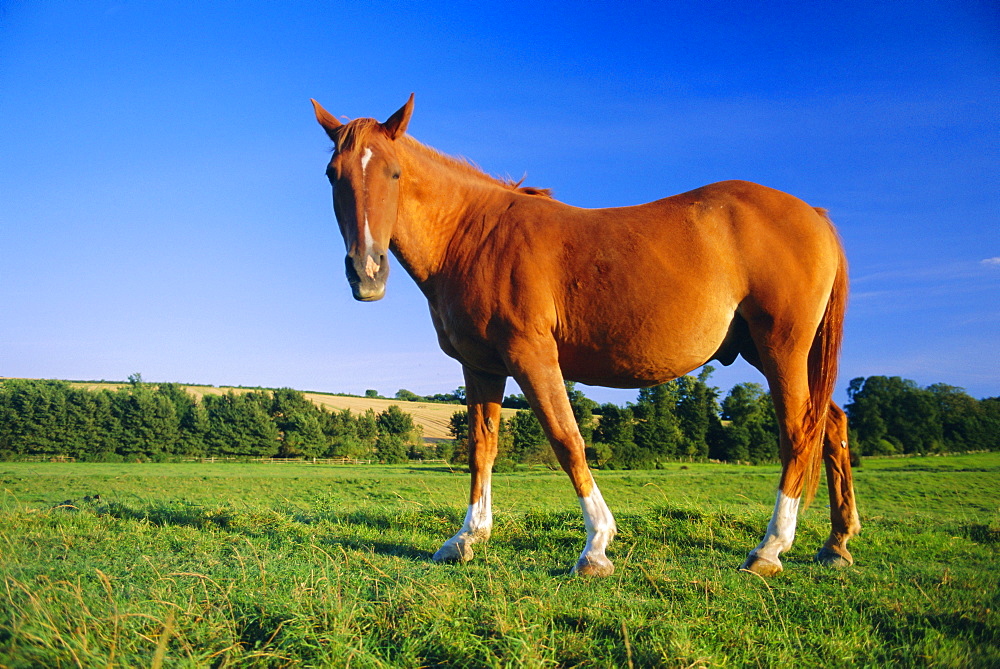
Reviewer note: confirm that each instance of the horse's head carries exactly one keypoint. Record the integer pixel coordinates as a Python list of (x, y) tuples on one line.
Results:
[(364, 173)]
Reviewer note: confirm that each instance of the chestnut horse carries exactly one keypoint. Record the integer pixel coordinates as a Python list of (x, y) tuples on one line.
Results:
[(522, 285)]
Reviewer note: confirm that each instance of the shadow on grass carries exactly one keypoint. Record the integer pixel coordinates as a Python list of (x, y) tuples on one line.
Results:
[(536, 532), (909, 628), (270, 524), (273, 524), (982, 534), (378, 547)]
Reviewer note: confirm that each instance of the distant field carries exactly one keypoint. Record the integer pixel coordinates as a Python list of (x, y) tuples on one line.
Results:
[(307, 565), (432, 417)]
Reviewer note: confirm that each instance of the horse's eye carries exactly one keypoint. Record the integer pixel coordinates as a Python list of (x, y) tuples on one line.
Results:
[(395, 175)]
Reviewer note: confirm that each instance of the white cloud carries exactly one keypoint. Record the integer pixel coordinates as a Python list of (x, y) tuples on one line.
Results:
[(990, 262)]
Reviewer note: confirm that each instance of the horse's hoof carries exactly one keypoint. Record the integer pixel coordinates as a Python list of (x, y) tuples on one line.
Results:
[(830, 558), (453, 553), (601, 567), (761, 567)]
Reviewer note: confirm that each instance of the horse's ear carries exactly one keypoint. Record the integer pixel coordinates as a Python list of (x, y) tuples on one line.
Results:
[(396, 125), (326, 119)]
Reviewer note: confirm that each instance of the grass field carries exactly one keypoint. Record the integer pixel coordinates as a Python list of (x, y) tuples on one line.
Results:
[(306, 565)]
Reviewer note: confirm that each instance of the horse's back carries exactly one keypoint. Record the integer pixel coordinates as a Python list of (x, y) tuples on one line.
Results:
[(635, 295), (647, 293)]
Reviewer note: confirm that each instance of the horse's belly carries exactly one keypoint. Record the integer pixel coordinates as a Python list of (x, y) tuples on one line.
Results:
[(594, 369), (634, 355)]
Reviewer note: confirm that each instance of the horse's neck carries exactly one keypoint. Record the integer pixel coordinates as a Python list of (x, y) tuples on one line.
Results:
[(439, 201)]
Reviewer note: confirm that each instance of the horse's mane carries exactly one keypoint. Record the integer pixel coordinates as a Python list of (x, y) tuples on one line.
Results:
[(358, 131)]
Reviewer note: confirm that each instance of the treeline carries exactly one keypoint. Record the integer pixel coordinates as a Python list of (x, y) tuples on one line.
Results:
[(891, 415), (680, 420), (455, 397), (684, 420), (143, 421)]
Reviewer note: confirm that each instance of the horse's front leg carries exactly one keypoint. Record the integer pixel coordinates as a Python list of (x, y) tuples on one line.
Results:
[(536, 369), (483, 395)]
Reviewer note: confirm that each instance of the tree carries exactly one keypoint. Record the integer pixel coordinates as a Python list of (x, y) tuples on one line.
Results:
[(367, 428), (527, 436), (616, 431), (84, 430), (408, 395), (752, 433), (192, 418), (458, 427), (99, 442), (396, 434), (340, 434), (297, 420), (697, 413), (150, 427), (394, 420), (894, 414), (963, 421), (583, 411), (302, 436), (346, 436), (391, 449), (990, 412), (194, 428), (518, 401), (240, 425), (31, 418), (657, 431)]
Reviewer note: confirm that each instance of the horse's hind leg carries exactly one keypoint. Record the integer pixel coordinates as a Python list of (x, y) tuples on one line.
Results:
[(483, 394), (843, 511), (787, 377), (536, 369)]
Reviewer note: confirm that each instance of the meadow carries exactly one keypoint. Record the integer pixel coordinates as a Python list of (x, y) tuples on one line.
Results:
[(191, 565)]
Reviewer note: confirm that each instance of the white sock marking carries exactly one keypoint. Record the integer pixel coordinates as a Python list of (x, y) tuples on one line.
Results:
[(477, 526), (479, 517), (600, 526), (781, 530)]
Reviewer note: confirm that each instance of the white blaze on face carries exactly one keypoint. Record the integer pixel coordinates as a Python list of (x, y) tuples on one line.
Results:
[(781, 530), (371, 267)]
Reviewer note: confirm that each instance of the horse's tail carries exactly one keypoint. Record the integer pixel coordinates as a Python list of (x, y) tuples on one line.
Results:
[(824, 358)]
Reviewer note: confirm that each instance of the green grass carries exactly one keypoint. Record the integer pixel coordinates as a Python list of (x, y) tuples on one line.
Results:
[(303, 565)]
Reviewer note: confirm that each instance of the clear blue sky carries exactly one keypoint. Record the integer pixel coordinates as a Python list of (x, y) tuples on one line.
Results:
[(163, 207)]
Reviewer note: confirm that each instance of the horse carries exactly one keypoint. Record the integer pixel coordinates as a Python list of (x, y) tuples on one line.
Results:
[(521, 285)]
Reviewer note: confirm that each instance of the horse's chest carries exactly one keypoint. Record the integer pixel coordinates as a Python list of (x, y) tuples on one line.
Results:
[(466, 338)]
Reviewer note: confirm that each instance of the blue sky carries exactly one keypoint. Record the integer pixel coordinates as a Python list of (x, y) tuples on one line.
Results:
[(163, 207)]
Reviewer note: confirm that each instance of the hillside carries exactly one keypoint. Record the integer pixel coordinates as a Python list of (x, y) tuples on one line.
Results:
[(432, 417)]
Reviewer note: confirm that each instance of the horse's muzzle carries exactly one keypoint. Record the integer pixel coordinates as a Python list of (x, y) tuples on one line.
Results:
[(367, 275)]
